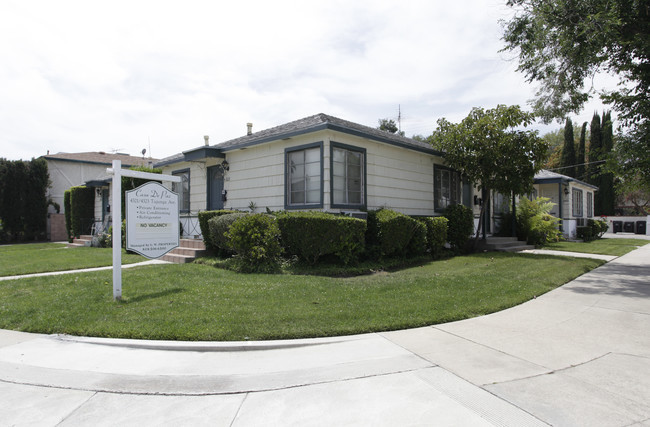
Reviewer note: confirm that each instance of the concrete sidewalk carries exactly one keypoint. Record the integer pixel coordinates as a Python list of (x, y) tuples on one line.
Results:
[(579, 355)]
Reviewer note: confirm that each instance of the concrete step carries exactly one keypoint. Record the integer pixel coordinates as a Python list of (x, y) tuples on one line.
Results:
[(517, 248), (84, 240), (188, 251), (177, 259), (192, 243)]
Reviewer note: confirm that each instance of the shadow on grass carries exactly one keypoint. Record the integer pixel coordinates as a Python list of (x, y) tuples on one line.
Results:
[(153, 295)]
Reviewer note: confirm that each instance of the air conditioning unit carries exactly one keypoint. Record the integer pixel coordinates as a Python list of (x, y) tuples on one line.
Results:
[(360, 215)]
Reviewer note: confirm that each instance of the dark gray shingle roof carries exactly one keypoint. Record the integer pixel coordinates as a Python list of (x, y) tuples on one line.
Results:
[(547, 175)]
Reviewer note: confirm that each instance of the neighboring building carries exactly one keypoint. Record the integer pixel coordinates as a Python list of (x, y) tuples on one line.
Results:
[(72, 169), (319, 162), (573, 199)]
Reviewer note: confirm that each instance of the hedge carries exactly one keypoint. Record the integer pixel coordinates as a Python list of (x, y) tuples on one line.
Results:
[(311, 235), (585, 233), (204, 217), (82, 209), (256, 240), (436, 234), (219, 226), (460, 226), (67, 212), (390, 233), (598, 227)]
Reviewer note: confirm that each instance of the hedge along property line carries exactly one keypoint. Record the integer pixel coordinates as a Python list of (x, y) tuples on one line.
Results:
[(392, 233), (311, 235), (436, 234), (204, 217), (67, 212), (82, 208)]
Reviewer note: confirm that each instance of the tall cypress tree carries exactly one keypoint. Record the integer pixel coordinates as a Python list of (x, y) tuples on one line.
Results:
[(606, 192), (580, 157), (568, 161), (595, 145)]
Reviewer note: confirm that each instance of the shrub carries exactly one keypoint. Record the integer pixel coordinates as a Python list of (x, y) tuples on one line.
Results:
[(418, 243), (311, 235), (598, 227), (436, 234), (585, 233), (218, 227), (460, 226), (82, 209), (535, 224), (204, 217), (68, 211), (390, 233), (256, 240)]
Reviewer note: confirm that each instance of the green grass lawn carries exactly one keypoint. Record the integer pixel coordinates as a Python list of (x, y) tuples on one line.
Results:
[(199, 302), (42, 257), (615, 247)]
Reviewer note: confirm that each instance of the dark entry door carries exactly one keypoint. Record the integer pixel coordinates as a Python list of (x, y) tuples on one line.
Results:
[(215, 188)]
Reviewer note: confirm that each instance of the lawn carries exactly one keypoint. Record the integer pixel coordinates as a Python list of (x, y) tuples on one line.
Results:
[(615, 247), (42, 257), (199, 302)]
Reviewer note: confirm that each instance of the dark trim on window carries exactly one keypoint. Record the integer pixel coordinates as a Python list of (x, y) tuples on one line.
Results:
[(364, 186), (189, 189), (289, 150), (436, 167)]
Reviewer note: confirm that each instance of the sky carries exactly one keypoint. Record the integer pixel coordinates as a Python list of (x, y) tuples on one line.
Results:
[(123, 76)]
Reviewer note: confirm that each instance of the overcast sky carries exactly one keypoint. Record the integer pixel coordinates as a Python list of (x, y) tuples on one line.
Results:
[(158, 75)]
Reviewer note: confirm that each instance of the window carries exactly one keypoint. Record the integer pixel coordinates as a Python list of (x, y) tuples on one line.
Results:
[(590, 205), (348, 176), (182, 189), (501, 203), (577, 202), (446, 187), (304, 176)]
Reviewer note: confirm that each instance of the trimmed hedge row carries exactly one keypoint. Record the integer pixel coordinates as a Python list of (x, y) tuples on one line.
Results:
[(392, 233), (311, 235), (204, 217), (219, 226), (82, 209), (436, 234)]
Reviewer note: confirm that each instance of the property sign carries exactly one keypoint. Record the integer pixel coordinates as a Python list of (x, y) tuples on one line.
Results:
[(152, 226)]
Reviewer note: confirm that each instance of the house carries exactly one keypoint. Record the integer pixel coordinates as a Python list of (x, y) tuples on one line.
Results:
[(89, 168), (318, 162), (573, 199)]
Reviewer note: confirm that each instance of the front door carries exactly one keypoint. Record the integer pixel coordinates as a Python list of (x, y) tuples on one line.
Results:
[(215, 188)]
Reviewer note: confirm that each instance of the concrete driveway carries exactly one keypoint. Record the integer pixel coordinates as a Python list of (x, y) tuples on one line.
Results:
[(579, 355)]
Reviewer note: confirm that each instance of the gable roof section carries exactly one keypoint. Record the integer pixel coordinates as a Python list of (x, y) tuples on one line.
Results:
[(548, 177), (309, 124), (100, 158)]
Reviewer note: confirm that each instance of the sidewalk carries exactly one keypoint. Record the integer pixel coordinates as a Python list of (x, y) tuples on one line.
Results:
[(579, 355)]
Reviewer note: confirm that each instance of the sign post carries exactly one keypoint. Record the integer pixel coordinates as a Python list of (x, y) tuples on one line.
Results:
[(116, 207)]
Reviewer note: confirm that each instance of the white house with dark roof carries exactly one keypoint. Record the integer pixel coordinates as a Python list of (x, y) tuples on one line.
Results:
[(318, 162), (573, 199)]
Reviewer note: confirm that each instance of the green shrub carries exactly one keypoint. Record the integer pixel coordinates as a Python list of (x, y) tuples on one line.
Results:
[(436, 234), (598, 227), (585, 233), (67, 213), (218, 227), (82, 209), (256, 240), (204, 217), (390, 233), (535, 224), (311, 235), (460, 226)]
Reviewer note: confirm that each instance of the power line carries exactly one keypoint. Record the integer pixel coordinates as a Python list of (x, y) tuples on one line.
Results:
[(581, 164)]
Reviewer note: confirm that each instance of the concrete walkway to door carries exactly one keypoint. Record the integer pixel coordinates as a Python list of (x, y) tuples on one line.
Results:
[(578, 355)]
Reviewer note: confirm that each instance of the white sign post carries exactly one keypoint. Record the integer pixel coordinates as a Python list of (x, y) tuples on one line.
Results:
[(116, 207)]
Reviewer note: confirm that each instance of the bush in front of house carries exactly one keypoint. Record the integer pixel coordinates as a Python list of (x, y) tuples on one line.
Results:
[(460, 226), (436, 234), (598, 227), (218, 226), (312, 235), (255, 238), (534, 222), (204, 218), (389, 233), (67, 213), (585, 233), (82, 209)]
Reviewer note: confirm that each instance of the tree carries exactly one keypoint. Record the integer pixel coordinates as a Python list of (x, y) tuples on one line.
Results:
[(568, 151), (489, 151), (561, 44), (554, 139), (606, 197), (595, 148), (580, 157), (389, 126)]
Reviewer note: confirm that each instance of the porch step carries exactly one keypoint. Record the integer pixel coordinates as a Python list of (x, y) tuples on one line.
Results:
[(83, 240), (188, 251), (504, 244)]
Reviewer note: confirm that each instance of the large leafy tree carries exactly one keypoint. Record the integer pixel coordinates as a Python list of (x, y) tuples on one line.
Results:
[(491, 151), (562, 44), (389, 125)]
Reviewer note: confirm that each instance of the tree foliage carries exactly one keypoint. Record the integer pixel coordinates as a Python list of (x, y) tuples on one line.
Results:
[(489, 150), (581, 155), (389, 125), (562, 44), (568, 151)]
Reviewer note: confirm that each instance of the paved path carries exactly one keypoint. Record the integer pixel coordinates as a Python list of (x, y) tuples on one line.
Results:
[(579, 355)]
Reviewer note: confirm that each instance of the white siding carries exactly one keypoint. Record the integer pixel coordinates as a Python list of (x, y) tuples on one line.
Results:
[(66, 174)]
